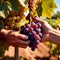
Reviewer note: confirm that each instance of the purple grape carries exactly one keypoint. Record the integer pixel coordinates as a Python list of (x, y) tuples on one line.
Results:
[(40, 34), (39, 25), (34, 32), (34, 25), (38, 30), (30, 29), (28, 25), (37, 37)]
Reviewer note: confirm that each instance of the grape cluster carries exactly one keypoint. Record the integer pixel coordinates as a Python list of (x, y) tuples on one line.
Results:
[(34, 32)]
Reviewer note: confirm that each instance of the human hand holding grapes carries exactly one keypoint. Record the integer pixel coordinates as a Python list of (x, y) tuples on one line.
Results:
[(46, 29), (34, 33), (49, 34), (15, 39)]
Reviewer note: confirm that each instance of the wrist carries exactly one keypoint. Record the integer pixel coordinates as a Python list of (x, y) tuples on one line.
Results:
[(50, 34)]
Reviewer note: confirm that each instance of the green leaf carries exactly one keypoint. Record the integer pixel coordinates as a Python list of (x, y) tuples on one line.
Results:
[(6, 6), (39, 9), (54, 49), (23, 3), (3, 10), (1, 24), (2, 14), (8, 3), (15, 5), (48, 8)]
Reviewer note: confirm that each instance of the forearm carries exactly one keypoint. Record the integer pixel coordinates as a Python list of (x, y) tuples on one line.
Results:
[(54, 37)]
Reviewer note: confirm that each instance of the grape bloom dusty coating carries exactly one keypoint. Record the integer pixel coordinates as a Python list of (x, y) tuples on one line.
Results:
[(34, 32)]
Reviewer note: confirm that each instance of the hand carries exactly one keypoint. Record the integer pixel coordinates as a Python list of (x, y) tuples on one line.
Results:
[(15, 39), (46, 29)]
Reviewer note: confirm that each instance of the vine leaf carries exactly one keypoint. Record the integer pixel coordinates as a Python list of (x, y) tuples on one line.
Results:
[(14, 5), (48, 8), (7, 6), (3, 10), (39, 9), (1, 24), (23, 3)]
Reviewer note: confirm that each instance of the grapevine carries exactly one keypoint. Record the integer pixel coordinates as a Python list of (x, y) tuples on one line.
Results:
[(33, 29)]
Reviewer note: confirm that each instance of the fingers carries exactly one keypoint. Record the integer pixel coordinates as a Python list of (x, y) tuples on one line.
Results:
[(23, 37), (22, 42), (39, 20), (18, 35), (19, 43)]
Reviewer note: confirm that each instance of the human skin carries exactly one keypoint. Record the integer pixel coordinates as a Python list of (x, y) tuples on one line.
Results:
[(49, 34), (14, 38)]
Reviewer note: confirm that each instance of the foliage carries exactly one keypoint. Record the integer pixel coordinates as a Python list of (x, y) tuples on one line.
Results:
[(55, 23), (56, 15), (44, 8), (39, 9), (48, 8)]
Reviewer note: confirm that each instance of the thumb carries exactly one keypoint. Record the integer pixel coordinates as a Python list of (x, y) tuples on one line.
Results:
[(24, 37), (39, 20)]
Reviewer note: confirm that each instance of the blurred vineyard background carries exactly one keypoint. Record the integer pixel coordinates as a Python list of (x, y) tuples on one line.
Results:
[(46, 50)]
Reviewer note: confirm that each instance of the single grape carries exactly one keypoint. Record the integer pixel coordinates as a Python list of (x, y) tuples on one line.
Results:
[(39, 25), (37, 37), (34, 25), (33, 48), (37, 42), (28, 25), (38, 30), (40, 34), (27, 29), (33, 33), (30, 29)]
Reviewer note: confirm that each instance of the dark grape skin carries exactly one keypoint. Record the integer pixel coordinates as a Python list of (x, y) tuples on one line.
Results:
[(37, 37), (39, 25), (38, 31), (31, 32), (28, 25), (30, 38), (34, 25)]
